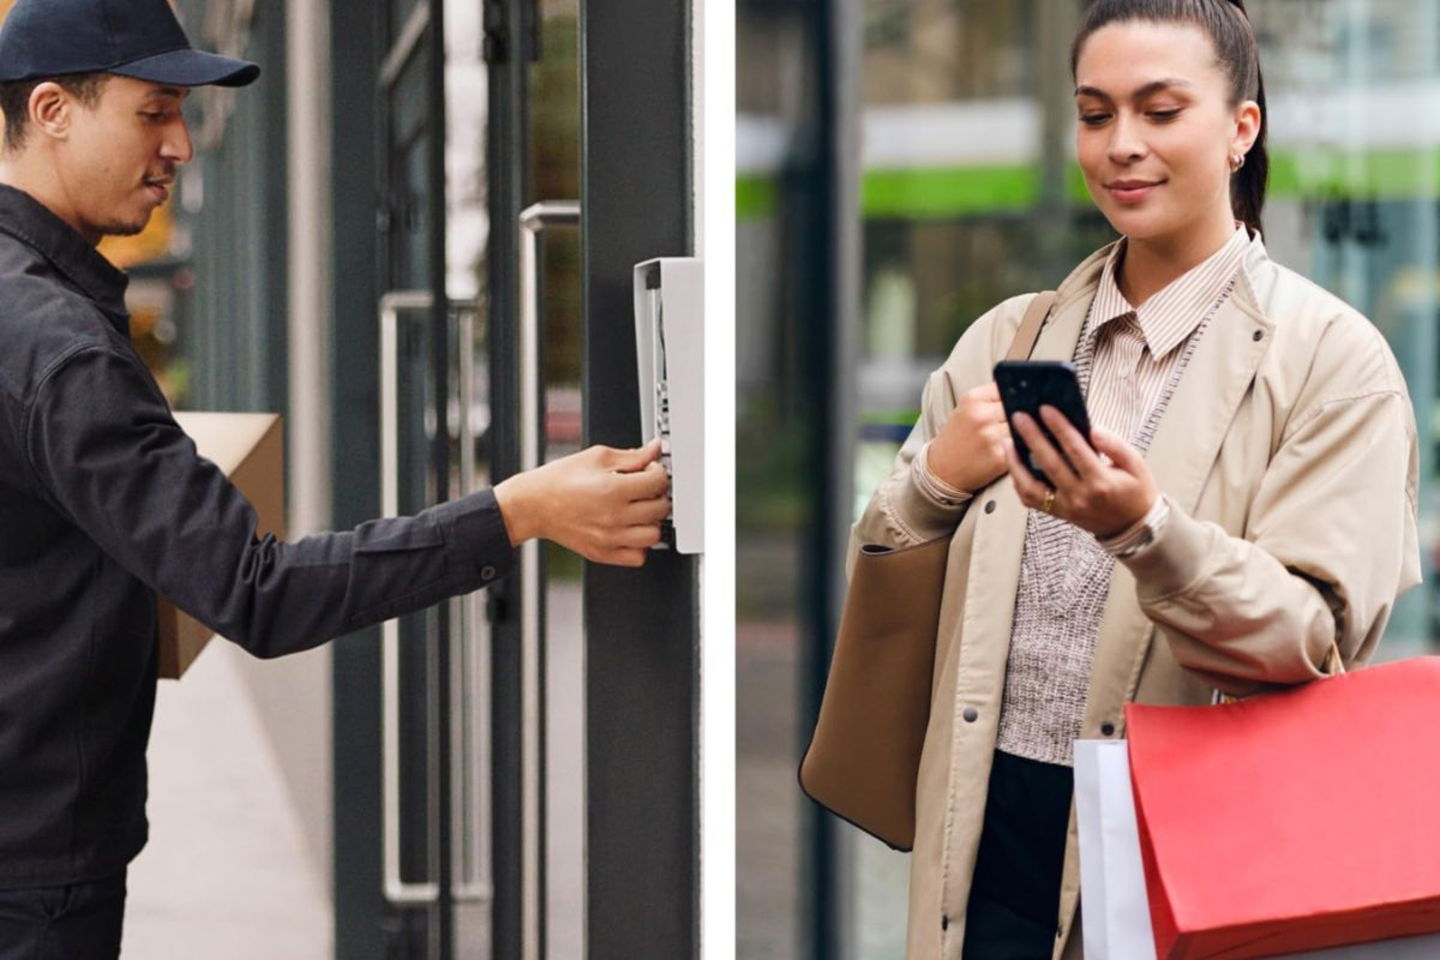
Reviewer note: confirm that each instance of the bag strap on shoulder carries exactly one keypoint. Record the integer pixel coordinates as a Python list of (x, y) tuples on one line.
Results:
[(1024, 343)]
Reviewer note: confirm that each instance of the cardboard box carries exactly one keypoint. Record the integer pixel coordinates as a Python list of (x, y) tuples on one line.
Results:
[(250, 449)]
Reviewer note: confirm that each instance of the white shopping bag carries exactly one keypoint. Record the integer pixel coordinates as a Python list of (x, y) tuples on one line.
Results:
[(1115, 910)]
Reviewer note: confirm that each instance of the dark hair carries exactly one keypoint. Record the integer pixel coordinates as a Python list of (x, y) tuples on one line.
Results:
[(1229, 28), (15, 100)]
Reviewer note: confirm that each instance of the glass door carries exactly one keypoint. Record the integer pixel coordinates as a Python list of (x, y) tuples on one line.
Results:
[(427, 778), (537, 771), (549, 225), (478, 108)]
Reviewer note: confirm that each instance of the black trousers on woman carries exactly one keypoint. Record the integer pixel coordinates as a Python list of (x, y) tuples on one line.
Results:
[(1015, 893), (79, 921)]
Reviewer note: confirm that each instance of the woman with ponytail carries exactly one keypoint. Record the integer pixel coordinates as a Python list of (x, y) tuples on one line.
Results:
[(1246, 500)]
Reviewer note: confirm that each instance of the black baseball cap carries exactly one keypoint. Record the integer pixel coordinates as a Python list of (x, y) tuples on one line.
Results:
[(134, 38)]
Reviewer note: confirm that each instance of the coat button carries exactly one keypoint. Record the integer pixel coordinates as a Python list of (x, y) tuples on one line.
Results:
[(1259, 335), (990, 506), (1107, 729), (487, 572), (944, 923), (1059, 932), (971, 714)]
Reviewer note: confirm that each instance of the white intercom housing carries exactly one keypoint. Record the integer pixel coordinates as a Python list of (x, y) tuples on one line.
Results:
[(670, 354)]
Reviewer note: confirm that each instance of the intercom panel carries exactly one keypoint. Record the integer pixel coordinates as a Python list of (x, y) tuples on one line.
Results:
[(670, 357)]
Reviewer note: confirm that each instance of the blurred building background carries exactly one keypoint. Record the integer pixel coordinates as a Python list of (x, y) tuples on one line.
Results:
[(903, 166), (345, 249)]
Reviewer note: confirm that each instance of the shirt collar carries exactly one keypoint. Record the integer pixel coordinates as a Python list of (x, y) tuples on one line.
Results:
[(31, 222), (1172, 313)]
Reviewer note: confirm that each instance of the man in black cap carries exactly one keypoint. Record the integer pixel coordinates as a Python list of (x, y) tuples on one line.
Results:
[(104, 502)]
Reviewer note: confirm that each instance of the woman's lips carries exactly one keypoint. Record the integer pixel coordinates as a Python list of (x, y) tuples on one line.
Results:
[(1129, 192)]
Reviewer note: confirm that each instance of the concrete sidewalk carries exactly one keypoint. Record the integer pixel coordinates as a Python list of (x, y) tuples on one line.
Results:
[(227, 874)]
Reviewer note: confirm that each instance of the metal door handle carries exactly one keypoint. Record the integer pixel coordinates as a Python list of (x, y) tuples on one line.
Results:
[(533, 220), (473, 885), (396, 890)]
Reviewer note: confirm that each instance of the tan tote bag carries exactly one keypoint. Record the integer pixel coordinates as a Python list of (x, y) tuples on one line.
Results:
[(864, 756)]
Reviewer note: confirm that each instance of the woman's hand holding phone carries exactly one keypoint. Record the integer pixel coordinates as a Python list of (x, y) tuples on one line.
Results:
[(969, 451), (1105, 498)]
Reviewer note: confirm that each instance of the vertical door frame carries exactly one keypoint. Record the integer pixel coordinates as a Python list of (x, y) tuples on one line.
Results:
[(510, 48), (358, 132), (442, 914), (422, 35), (641, 626), (354, 293)]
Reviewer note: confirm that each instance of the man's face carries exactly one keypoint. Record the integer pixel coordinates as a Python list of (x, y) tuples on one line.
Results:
[(119, 159)]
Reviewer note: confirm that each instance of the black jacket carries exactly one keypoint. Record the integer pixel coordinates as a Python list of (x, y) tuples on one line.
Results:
[(103, 503)]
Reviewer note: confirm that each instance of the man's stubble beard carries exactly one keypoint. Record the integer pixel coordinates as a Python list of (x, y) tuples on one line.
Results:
[(125, 229)]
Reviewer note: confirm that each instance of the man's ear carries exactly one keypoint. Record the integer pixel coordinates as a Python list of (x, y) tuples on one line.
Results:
[(51, 109)]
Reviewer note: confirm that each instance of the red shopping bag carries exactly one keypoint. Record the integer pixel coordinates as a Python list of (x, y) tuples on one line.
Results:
[(1292, 821)]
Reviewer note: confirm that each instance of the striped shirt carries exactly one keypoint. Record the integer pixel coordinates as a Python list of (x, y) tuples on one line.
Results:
[(1129, 361), (1135, 348)]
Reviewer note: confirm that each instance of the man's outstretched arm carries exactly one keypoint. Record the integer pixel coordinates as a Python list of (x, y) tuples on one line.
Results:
[(108, 455)]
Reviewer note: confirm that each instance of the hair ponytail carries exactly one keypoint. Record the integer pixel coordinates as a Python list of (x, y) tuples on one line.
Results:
[(1247, 187)]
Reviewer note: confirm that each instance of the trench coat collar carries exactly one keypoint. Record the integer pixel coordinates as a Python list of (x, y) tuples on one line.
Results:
[(1169, 315), (1077, 291)]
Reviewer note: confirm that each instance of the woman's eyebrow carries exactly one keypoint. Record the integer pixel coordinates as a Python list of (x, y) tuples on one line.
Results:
[(1154, 86)]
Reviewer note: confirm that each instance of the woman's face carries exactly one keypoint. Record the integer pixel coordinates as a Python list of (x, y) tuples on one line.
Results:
[(1155, 129)]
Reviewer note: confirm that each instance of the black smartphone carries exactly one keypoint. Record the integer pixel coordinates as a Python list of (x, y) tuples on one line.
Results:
[(1027, 384)]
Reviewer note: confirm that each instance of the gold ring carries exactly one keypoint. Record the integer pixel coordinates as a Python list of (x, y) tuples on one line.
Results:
[(1049, 500)]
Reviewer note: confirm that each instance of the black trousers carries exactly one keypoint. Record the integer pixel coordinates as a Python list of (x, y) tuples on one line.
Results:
[(1015, 894), (80, 921)]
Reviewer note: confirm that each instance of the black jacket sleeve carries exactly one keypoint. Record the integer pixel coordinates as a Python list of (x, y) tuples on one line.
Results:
[(107, 452)]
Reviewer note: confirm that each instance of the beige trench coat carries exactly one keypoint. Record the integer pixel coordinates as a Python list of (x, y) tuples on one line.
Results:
[(1289, 447)]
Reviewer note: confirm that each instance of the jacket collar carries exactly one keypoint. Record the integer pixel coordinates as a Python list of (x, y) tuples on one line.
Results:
[(32, 223), (1169, 316), (1084, 280)]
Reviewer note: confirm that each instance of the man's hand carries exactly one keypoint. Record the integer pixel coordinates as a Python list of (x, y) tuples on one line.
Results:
[(603, 503), (969, 450)]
